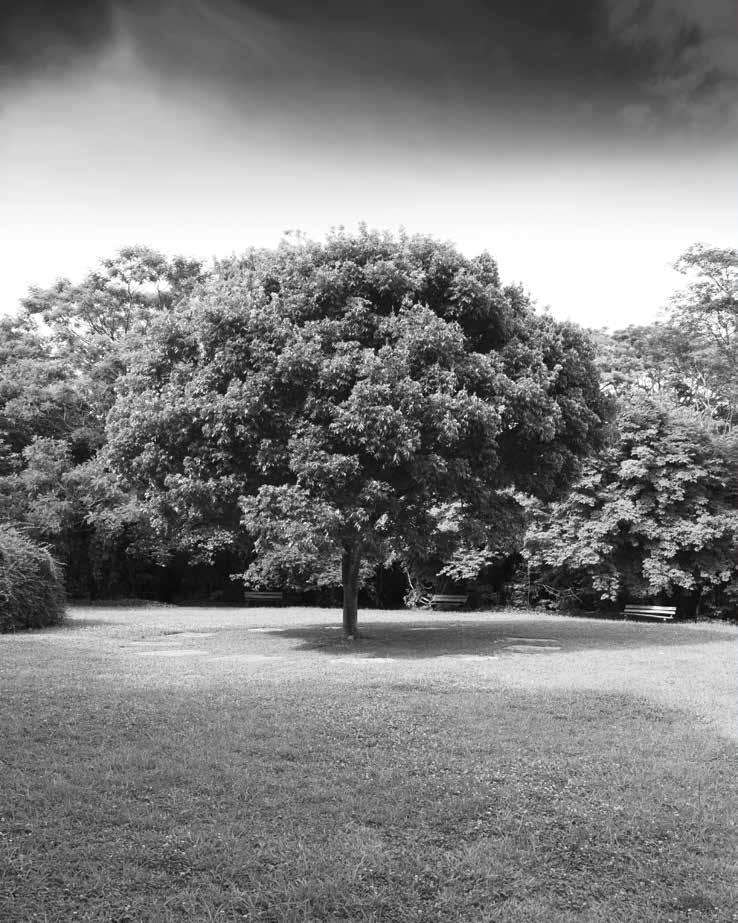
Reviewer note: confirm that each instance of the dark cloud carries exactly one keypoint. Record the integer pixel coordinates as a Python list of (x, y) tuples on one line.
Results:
[(682, 57), (640, 64), (38, 36), (391, 37), (467, 60), (395, 36)]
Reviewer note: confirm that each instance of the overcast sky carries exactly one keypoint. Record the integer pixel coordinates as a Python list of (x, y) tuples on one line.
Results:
[(584, 143)]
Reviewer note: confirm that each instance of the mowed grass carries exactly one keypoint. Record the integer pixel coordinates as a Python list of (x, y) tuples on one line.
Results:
[(219, 764)]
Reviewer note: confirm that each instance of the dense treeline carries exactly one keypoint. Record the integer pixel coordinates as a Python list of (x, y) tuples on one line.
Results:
[(374, 409)]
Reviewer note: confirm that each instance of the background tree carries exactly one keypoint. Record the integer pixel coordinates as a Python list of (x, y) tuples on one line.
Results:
[(691, 357), (94, 325), (653, 516), (330, 397), (59, 361), (706, 316), (39, 395), (120, 299)]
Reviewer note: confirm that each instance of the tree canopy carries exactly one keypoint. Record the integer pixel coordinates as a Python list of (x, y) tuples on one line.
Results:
[(373, 410), (691, 355), (652, 516), (59, 361), (114, 302), (334, 398)]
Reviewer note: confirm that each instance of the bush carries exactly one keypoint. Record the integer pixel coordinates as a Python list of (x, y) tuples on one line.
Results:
[(31, 583)]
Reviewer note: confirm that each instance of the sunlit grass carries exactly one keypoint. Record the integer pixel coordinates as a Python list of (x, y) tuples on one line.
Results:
[(435, 772)]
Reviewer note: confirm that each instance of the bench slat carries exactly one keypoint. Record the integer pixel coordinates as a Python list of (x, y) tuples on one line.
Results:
[(652, 615), (262, 596), (447, 599), (665, 613)]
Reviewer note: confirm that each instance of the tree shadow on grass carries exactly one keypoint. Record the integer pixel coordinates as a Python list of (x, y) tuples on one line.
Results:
[(421, 639)]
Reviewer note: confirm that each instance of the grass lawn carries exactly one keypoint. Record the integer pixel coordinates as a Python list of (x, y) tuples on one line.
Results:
[(219, 764)]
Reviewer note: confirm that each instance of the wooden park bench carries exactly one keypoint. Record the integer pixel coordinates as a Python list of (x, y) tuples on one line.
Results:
[(664, 613), (449, 601), (259, 597)]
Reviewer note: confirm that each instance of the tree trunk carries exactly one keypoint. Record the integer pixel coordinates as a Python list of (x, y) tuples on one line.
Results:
[(350, 561)]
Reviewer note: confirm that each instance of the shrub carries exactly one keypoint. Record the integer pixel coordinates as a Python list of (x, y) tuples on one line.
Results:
[(31, 584)]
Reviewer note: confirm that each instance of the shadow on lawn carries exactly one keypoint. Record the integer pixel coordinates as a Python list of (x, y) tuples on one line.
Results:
[(466, 637)]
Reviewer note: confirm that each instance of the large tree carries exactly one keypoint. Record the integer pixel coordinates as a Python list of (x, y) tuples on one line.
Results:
[(335, 398)]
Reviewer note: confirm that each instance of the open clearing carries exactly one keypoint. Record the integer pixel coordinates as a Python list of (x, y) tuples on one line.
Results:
[(222, 764)]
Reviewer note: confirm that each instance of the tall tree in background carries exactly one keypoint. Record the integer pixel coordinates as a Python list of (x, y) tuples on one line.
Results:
[(335, 397), (39, 394), (691, 357), (118, 300), (57, 381), (93, 325), (654, 514), (652, 517), (706, 316)]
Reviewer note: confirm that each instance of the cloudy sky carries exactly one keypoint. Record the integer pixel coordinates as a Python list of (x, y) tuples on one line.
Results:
[(584, 143)]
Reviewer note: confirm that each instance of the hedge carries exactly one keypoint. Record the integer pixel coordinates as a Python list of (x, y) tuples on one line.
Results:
[(31, 583)]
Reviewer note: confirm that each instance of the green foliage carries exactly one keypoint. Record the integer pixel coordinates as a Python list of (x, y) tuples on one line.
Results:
[(371, 401), (692, 356), (100, 531), (57, 383), (39, 395), (653, 515), (460, 548), (31, 585), (709, 305), (115, 303), (706, 317), (340, 392)]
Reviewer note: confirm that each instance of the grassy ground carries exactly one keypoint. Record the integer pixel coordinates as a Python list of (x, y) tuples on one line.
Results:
[(219, 764)]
